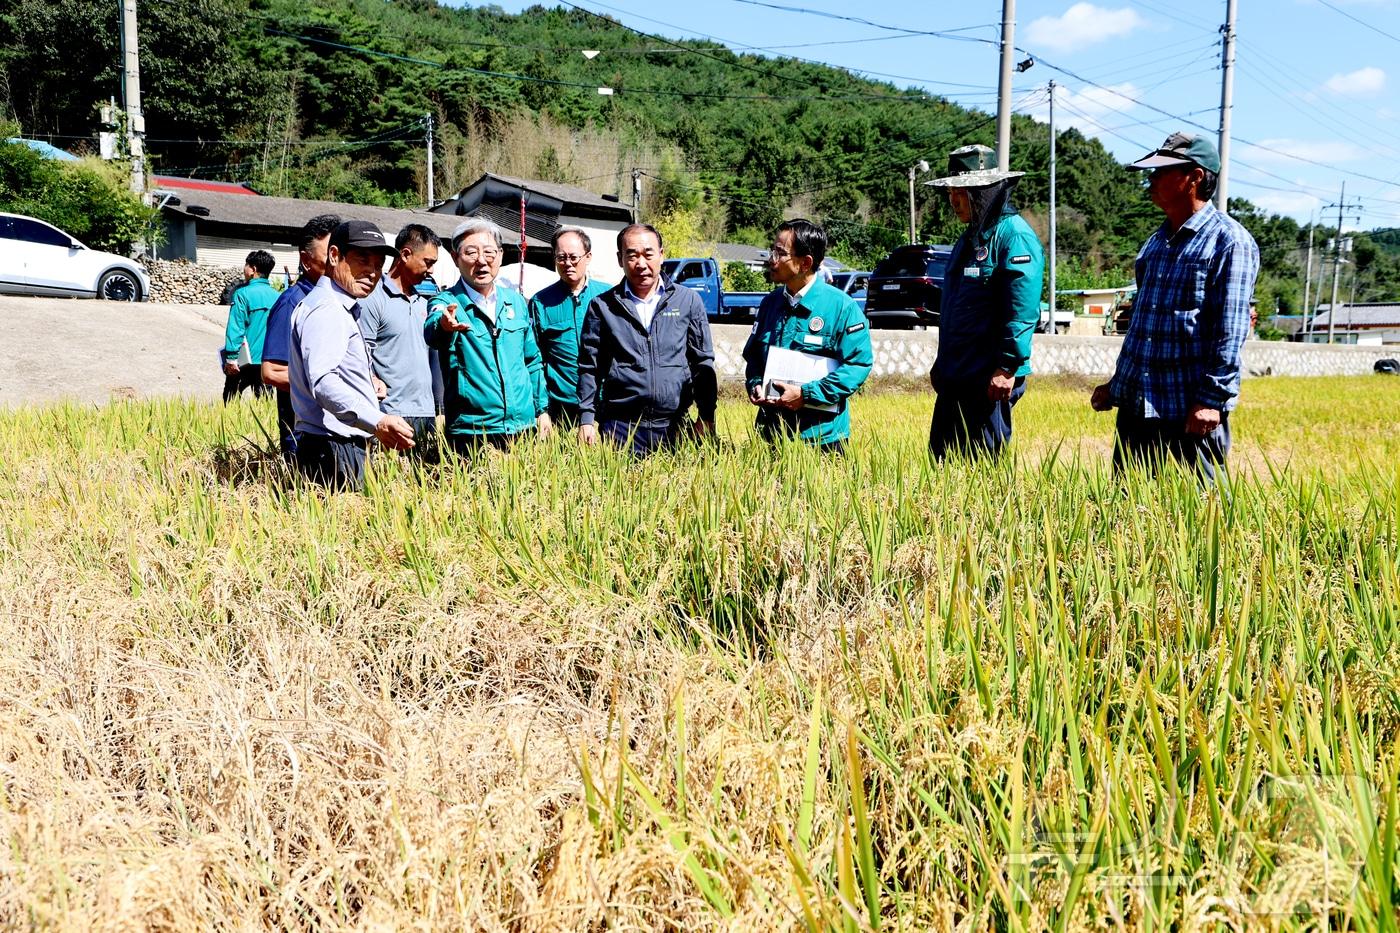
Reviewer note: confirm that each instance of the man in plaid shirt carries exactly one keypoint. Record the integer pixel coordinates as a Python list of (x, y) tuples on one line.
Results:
[(1178, 374)]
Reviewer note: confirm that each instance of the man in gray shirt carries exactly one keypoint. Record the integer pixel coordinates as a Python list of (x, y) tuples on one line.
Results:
[(332, 385), (391, 320)]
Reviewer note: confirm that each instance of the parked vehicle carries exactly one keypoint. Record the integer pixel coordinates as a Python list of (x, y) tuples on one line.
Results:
[(37, 258), (702, 276), (852, 283), (905, 289), (1063, 319)]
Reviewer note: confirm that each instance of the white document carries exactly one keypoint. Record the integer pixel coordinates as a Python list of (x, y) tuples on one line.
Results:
[(796, 368), (245, 356)]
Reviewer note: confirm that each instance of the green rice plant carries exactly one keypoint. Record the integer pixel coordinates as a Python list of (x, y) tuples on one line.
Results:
[(730, 687)]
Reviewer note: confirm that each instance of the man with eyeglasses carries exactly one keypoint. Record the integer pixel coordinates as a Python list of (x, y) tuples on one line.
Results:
[(1178, 372), (808, 316), (557, 315), (493, 377), (645, 355)]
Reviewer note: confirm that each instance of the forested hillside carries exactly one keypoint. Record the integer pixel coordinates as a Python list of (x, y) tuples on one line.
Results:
[(327, 98)]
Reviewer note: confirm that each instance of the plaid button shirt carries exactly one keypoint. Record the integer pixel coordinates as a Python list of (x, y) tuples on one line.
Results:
[(1190, 318)]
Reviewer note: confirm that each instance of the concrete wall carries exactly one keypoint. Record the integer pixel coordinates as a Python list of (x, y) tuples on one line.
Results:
[(911, 353)]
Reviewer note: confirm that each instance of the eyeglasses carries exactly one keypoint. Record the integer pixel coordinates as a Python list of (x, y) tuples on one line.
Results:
[(489, 253), (571, 258), (777, 252)]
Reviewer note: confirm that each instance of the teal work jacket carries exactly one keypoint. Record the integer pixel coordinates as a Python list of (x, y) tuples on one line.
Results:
[(247, 319), (557, 317), (991, 302), (828, 323), (492, 376)]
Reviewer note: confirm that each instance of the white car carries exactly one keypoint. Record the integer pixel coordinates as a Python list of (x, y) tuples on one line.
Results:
[(37, 258)]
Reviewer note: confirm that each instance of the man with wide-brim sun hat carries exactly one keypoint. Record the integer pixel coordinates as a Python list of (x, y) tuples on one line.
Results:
[(989, 309), (1178, 373)]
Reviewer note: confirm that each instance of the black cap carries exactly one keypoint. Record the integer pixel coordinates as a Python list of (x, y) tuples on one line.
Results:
[(361, 234)]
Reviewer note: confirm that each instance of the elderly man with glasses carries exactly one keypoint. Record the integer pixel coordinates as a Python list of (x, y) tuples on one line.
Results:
[(1178, 373), (493, 377), (557, 315)]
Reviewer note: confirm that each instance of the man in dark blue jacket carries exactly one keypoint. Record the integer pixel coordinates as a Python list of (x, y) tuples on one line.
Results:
[(315, 243), (645, 355)]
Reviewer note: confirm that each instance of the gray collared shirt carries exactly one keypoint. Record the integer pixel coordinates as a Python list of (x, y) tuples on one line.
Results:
[(329, 369), (392, 324)]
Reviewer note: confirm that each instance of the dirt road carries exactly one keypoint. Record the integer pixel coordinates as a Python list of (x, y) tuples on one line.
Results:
[(95, 351)]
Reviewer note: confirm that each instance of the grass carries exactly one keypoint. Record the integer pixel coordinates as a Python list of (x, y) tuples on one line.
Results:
[(722, 690)]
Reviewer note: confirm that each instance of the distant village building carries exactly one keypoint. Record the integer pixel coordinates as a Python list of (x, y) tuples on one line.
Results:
[(1376, 322), (218, 224), (547, 206)]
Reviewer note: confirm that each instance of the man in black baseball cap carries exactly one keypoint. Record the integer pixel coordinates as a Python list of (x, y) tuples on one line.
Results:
[(333, 392)]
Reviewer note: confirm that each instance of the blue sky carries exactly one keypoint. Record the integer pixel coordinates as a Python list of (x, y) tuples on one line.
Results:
[(1311, 82)]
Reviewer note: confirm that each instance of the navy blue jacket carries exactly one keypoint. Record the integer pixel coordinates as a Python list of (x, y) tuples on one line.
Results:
[(626, 373)]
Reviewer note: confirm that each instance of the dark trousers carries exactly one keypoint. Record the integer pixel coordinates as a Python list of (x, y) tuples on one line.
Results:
[(427, 442), (776, 433), (1149, 442), (469, 445), (965, 421), (336, 462), (563, 415), (643, 437), (249, 377), (286, 426)]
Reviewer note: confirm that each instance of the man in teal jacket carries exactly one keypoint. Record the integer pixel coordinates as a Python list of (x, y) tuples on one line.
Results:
[(990, 306), (493, 378), (247, 322), (810, 317), (557, 314)]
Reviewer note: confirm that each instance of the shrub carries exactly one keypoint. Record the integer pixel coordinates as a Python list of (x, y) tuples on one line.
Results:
[(88, 199)]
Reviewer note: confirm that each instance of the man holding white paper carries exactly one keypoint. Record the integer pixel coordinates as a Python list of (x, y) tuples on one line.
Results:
[(810, 348)]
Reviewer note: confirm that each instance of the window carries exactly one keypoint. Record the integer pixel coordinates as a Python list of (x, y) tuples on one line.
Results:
[(692, 270), (31, 231)]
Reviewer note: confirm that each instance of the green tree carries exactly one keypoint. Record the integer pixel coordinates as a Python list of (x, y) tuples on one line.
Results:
[(88, 199)]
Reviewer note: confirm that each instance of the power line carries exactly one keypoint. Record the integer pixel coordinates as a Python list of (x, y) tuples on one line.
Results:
[(752, 48), (1357, 19), (703, 95), (1287, 73), (1140, 103), (941, 34)]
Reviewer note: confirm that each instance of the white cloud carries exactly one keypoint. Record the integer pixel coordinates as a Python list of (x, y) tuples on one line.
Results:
[(1082, 24), (1290, 204), (1090, 110), (1359, 83), (1327, 151)]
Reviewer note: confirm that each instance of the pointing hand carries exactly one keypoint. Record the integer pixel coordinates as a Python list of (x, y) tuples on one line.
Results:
[(449, 322)]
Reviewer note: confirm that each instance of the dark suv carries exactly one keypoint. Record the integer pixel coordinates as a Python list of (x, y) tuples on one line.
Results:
[(906, 287)]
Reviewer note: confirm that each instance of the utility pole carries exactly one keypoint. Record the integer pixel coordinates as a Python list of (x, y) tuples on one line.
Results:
[(1227, 94), (1050, 320), (428, 121), (1008, 50), (1307, 279), (636, 195), (915, 169), (1341, 207), (131, 97)]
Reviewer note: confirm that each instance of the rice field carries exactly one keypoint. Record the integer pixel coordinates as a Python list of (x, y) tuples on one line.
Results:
[(729, 689)]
